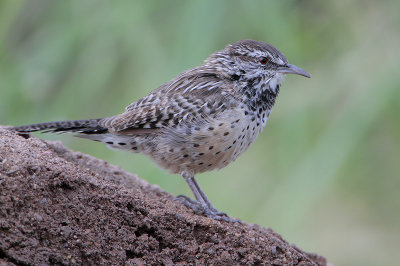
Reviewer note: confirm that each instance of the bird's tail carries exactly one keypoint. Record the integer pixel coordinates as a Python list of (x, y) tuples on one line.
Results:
[(90, 126)]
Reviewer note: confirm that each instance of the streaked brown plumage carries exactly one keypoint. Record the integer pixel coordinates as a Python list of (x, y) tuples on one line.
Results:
[(199, 121)]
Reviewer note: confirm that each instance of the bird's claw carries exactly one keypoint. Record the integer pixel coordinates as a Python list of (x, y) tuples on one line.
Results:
[(200, 209)]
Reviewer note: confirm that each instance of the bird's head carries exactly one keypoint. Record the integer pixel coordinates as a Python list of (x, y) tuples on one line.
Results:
[(253, 61)]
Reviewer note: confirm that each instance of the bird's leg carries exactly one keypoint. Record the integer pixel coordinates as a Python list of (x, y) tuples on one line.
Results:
[(202, 205)]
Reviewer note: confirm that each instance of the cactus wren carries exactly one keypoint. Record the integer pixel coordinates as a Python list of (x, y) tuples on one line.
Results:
[(201, 120)]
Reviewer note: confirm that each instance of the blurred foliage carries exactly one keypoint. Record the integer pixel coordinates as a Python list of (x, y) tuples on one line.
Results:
[(325, 172)]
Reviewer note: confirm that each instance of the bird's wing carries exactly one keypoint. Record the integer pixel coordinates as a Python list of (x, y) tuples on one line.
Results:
[(193, 95)]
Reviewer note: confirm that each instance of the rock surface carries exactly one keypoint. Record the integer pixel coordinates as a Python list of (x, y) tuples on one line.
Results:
[(59, 207)]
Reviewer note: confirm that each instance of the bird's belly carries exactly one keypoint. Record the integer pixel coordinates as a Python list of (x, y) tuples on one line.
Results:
[(202, 148)]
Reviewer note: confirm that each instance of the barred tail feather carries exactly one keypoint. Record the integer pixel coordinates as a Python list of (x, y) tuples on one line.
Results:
[(90, 126)]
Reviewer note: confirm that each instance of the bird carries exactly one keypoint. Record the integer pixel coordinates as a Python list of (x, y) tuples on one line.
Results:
[(201, 120)]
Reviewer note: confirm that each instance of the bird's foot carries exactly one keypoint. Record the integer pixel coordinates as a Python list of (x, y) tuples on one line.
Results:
[(203, 209)]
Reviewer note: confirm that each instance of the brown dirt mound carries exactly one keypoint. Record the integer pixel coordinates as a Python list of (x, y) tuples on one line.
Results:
[(66, 208)]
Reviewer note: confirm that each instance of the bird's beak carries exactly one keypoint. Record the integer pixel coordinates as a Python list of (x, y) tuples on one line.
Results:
[(292, 69)]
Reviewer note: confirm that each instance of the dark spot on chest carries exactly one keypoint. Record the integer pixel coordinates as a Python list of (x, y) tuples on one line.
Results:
[(235, 77)]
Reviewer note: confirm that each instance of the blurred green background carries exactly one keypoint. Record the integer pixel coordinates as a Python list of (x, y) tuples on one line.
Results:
[(325, 172)]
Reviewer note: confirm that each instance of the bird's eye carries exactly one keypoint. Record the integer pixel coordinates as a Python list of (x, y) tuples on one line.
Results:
[(264, 60)]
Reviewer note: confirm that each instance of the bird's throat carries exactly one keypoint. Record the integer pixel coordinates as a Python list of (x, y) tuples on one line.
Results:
[(261, 92)]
